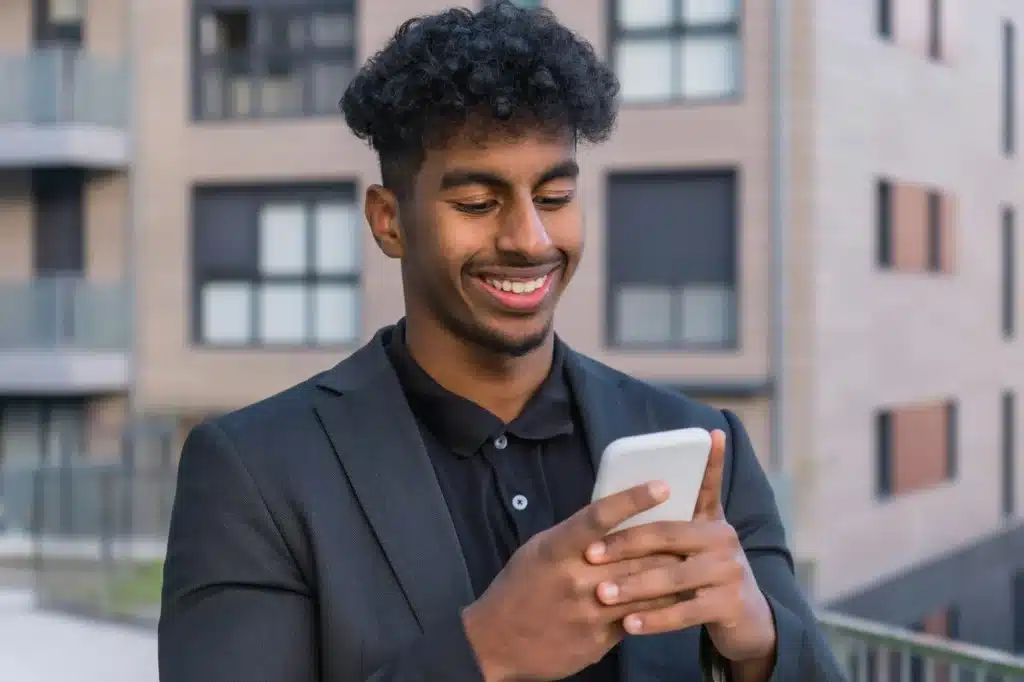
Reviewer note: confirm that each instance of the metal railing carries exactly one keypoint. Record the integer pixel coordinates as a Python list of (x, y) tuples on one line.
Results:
[(873, 652), (59, 313), (62, 86)]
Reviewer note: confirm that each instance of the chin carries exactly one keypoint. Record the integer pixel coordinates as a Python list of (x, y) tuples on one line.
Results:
[(513, 340)]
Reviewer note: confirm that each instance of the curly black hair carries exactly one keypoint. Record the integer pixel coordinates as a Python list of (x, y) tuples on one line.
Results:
[(461, 71)]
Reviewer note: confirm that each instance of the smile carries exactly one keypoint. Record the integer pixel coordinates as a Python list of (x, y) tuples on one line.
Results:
[(518, 294)]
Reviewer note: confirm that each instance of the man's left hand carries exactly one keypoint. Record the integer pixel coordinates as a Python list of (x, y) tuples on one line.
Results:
[(721, 591)]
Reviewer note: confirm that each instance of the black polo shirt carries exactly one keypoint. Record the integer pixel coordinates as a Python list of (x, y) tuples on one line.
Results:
[(503, 483)]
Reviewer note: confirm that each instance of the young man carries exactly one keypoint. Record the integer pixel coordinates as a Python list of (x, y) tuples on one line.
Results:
[(420, 512)]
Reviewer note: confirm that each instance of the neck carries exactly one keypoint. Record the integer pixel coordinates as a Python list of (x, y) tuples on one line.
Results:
[(499, 383)]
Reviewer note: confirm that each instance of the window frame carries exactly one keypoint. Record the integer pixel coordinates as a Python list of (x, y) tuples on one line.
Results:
[(678, 31), (1008, 452), (936, 29), (612, 287), (256, 56), (883, 200), (933, 216), (884, 464), (1008, 87), (884, 20), (257, 196), (1008, 274)]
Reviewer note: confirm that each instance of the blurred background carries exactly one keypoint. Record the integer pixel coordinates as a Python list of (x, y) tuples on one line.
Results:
[(808, 214)]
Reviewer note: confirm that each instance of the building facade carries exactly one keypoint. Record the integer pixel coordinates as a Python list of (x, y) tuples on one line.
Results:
[(807, 214)]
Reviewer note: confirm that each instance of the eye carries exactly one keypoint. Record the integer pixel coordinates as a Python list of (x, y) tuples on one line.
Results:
[(475, 208), (551, 203)]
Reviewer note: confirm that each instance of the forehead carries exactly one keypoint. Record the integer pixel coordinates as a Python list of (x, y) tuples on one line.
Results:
[(521, 154)]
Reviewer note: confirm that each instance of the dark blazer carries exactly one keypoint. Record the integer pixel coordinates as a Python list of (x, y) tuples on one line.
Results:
[(310, 540)]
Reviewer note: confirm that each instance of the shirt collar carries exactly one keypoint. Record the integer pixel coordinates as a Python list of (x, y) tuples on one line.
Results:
[(463, 426)]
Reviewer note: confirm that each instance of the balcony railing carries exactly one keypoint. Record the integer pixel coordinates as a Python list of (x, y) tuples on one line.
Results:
[(64, 314), (63, 87), (872, 652)]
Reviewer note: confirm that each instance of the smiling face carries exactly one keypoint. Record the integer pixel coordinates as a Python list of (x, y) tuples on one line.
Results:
[(489, 236)]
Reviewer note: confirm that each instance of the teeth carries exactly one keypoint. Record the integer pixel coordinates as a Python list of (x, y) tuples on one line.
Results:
[(518, 287)]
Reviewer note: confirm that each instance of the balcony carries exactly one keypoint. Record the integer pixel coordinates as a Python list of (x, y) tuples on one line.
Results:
[(64, 336), (63, 107), (872, 652)]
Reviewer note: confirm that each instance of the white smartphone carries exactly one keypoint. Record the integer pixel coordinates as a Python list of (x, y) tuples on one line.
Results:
[(679, 458)]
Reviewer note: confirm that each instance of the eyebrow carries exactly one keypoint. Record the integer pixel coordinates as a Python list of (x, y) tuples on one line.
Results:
[(461, 178)]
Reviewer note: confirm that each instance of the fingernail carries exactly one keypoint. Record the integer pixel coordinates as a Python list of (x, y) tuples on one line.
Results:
[(596, 551), (659, 489), (633, 624), (608, 591)]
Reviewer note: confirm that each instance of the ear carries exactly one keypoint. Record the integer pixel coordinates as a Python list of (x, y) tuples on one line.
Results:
[(382, 216)]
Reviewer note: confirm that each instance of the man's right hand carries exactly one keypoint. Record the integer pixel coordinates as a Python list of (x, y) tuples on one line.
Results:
[(541, 618)]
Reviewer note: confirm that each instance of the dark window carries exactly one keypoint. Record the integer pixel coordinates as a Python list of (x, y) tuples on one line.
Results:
[(934, 231), (883, 454), (672, 259), (59, 22), (883, 220), (935, 29), (59, 217), (282, 59), (883, 15), (1009, 278), (952, 438), (1009, 472), (34, 431), (953, 622), (679, 51), (1017, 599), (276, 266), (1009, 88)]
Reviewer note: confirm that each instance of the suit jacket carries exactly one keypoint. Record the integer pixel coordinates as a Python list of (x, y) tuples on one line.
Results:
[(310, 541)]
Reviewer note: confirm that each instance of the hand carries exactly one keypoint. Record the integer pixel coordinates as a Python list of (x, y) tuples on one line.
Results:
[(541, 619), (726, 598)]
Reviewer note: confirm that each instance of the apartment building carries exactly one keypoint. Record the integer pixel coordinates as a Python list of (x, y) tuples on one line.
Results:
[(807, 214)]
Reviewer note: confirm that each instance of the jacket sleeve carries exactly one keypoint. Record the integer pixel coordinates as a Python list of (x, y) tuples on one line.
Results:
[(235, 604), (802, 652)]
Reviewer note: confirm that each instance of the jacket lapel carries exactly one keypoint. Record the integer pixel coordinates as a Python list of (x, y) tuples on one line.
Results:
[(605, 413), (375, 436)]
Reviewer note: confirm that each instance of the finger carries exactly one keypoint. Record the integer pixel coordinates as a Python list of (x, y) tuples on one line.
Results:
[(713, 606), (662, 537), (699, 573), (596, 520), (709, 500)]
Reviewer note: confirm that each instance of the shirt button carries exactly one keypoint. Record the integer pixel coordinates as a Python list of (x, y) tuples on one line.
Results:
[(501, 442), (519, 502)]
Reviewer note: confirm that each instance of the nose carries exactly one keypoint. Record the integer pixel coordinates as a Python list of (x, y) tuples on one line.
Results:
[(523, 231)]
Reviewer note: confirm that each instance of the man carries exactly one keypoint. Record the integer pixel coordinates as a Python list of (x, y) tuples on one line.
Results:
[(420, 511)]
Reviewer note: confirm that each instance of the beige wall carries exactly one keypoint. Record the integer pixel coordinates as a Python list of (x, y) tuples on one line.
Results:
[(15, 25), (174, 154), (886, 338), (16, 215), (106, 226), (106, 418)]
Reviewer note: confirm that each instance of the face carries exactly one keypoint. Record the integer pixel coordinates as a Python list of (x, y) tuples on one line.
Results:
[(489, 238)]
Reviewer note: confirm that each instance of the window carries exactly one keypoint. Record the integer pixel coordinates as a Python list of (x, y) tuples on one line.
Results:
[(672, 260), (34, 431), (935, 29), (934, 231), (278, 61), (1009, 88), (667, 50), (1009, 278), (916, 447), (1009, 473), (883, 453), (883, 15), (276, 266), (952, 439), (1017, 599), (883, 220)]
